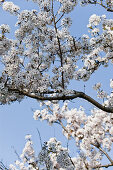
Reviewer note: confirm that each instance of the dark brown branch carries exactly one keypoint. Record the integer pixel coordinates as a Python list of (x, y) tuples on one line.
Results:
[(60, 18), (75, 95), (60, 51), (101, 4), (2, 166), (110, 10), (40, 138)]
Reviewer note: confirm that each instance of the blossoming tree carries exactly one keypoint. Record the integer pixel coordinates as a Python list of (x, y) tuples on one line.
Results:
[(40, 63)]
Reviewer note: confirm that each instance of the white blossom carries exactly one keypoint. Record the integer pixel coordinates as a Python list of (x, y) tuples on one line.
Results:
[(111, 83), (97, 86), (94, 20), (5, 28), (10, 7)]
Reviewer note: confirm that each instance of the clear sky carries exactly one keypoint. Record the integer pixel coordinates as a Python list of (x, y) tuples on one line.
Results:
[(16, 120)]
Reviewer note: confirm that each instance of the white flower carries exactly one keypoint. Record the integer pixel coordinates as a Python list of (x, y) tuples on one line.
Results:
[(80, 133), (103, 16), (97, 86), (111, 131), (85, 37), (5, 28), (48, 103), (66, 22), (28, 137), (12, 167), (111, 83), (10, 7), (36, 114), (95, 31), (94, 20), (17, 162)]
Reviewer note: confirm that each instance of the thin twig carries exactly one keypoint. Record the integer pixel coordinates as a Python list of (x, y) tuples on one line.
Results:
[(106, 155), (40, 137), (16, 153), (63, 126), (2, 166), (60, 18)]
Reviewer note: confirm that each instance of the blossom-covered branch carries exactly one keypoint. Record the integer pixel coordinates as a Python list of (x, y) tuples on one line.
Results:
[(40, 63), (108, 4)]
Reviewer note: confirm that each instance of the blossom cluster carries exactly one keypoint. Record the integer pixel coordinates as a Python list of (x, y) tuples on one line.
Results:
[(27, 158), (52, 156), (100, 42), (89, 132), (67, 6), (100, 92), (11, 7), (45, 56)]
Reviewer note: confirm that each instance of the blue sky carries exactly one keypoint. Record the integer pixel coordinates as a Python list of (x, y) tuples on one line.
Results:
[(16, 120)]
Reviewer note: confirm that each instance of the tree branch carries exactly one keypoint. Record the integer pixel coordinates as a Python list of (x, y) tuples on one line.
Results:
[(2, 166), (101, 4), (63, 126), (98, 166), (60, 51), (103, 166), (76, 94), (105, 153), (60, 17)]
